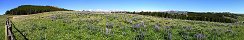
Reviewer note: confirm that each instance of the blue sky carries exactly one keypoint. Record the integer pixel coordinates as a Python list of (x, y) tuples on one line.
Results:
[(235, 6)]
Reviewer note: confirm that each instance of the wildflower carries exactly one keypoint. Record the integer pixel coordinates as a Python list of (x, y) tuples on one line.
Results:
[(141, 36), (168, 36), (53, 17), (229, 31), (187, 28), (142, 24), (168, 27), (109, 25), (156, 27), (169, 33), (199, 36), (108, 31), (137, 25), (129, 21)]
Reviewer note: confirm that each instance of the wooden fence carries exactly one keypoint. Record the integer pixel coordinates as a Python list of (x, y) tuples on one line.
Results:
[(8, 30)]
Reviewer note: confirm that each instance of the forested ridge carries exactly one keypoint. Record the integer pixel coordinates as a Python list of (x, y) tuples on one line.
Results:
[(32, 9), (224, 17)]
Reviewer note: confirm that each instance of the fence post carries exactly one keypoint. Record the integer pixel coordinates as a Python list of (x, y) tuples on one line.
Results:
[(8, 30)]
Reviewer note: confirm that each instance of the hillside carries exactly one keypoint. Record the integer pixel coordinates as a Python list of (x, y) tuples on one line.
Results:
[(225, 17), (32, 9), (74, 25)]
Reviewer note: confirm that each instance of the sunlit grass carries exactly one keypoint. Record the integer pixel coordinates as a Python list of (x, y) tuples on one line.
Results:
[(64, 25)]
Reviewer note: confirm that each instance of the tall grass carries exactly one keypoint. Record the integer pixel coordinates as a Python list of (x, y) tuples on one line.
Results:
[(64, 25)]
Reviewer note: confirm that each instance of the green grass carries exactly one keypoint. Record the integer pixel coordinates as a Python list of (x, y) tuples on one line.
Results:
[(64, 25), (2, 26)]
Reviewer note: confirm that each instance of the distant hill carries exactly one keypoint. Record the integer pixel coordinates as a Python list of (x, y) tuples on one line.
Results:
[(224, 17), (32, 9)]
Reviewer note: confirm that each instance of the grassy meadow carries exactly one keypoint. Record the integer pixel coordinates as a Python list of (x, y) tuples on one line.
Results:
[(73, 25), (2, 25)]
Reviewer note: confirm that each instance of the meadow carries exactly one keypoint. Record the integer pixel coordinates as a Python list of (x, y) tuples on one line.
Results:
[(2, 25), (74, 25)]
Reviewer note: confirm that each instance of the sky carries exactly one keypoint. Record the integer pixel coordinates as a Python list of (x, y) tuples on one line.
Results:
[(234, 6)]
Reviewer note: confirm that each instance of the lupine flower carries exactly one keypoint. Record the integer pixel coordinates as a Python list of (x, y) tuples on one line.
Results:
[(108, 31), (109, 25), (199, 36), (187, 27), (142, 24), (156, 27), (137, 25), (53, 17)]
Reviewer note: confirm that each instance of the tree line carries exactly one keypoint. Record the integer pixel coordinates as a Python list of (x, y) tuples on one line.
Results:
[(32, 9), (224, 17)]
